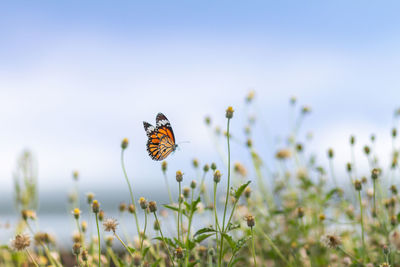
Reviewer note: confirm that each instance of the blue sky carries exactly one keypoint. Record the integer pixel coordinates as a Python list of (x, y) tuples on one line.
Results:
[(76, 77)]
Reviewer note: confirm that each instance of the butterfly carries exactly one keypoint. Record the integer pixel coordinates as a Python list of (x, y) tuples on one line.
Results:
[(161, 140)]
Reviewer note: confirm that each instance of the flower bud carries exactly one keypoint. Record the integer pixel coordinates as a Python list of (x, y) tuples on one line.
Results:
[(179, 176), (229, 113), (95, 206), (153, 206), (217, 176), (124, 143)]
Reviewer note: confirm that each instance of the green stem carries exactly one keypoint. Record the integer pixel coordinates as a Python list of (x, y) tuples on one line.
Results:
[(98, 236), (130, 190), (179, 211), (144, 231), (113, 257), (253, 250), (276, 249), (169, 190), (215, 214), (162, 236), (362, 224), (77, 260), (227, 192), (32, 259), (122, 242)]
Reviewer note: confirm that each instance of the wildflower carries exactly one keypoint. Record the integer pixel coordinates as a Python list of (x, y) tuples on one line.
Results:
[(84, 226), (366, 150), (213, 166), (122, 207), (109, 240), (76, 248), (364, 180), (250, 96), (101, 215), (283, 154), (217, 176), (202, 251), (28, 214), (348, 167), (385, 249), (124, 143), (206, 168), (110, 225), (143, 203), (164, 166), (195, 163), (20, 242), (207, 120), (179, 176), (385, 264), (331, 241), (375, 173), (330, 153), (156, 225), (249, 143), (75, 174), (179, 253), (153, 206), (240, 169), (95, 206), (131, 208), (250, 221), (321, 217), (76, 237), (193, 184), (85, 255), (89, 198), (41, 237), (352, 139), (293, 100), (393, 189), (300, 212), (229, 113), (346, 261), (357, 185), (76, 212), (247, 192), (186, 192), (137, 259), (370, 192), (394, 132), (393, 220), (299, 147), (373, 137), (306, 109)]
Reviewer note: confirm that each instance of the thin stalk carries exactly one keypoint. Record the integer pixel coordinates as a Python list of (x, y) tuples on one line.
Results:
[(130, 190), (167, 185), (362, 224), (98, 236), (32, 259), (144, 231), (77, 260), (179, 211), (276, 249), (227, 192), (348, 254), (113, 257), (122, 242), (162, 236), (374, 213), (188, 233), (253, 250)]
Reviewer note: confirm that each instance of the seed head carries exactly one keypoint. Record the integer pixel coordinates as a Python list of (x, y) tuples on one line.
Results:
[(122, 207), (179, 253), (240, 169), (131, 208), (348, 167), (250, 221), (20, 242), (358, 185), (76, 248), (217, 176), (85, 255), (110, 225), (137, 259), (321, 217), (229, 113), (143, 203), (179, 176), (393, 220), (195, 163), (95, 206), (153, 206), (331, 241), (124, 143)]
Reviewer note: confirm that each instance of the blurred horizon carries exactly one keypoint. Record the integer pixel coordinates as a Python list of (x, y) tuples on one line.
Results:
[(77, 77)]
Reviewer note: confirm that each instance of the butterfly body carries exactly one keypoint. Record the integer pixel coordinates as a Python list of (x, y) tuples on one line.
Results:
[(161, 142)]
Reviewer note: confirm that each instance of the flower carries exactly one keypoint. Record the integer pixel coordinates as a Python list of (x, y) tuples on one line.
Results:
[(153, 206), (110, 225), (331, 241), (179, 176), (283, 154), (20, 242), (76, 212), (124, 143), (250, 221), (229, 113), (143, 203), (95, 206), (217, 176)]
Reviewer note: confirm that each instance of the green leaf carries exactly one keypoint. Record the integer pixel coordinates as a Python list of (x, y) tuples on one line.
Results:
[(171, 207), (193, 263), (145, 251), (205, 230), (202, 237), (231, 243), (157, 263), (132, 250), (240, 190)]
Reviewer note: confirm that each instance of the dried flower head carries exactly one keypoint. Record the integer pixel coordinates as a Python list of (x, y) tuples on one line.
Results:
[(193, 184), (76, 248), (131, 208), (137, 259), (357, 185), (250, 220), (331, 241), (247, 192), (283, 154), (179, 253), (375, 173), (110, 225), (20, 242)]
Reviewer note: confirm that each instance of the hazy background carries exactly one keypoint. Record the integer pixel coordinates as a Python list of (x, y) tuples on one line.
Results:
[(78, 76)]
